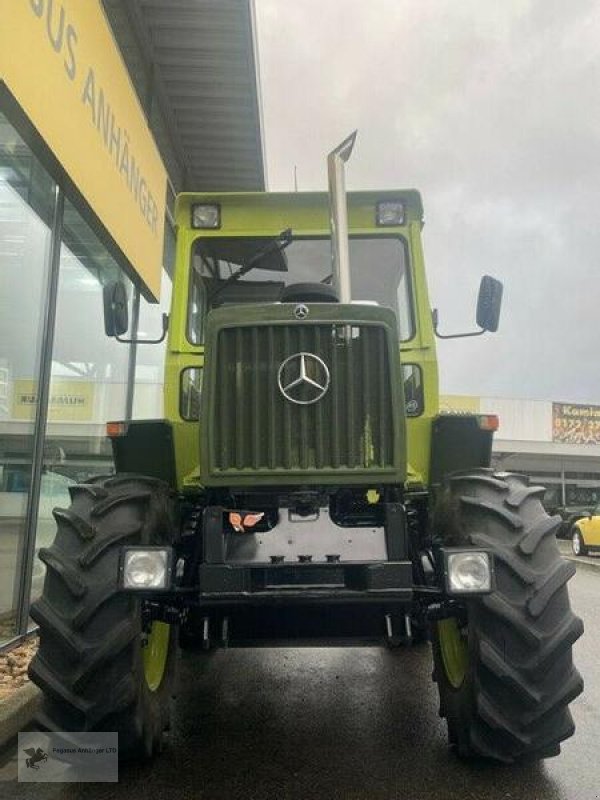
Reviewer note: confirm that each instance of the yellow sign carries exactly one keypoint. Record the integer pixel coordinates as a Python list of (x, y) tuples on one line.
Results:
[(70, 401), (60, 62)]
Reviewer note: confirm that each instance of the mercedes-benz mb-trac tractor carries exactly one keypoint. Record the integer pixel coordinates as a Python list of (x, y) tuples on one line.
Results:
[(304, 488)]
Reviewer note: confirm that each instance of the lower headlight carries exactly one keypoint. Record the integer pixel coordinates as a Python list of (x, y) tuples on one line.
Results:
[(146, 567), (468, 571)]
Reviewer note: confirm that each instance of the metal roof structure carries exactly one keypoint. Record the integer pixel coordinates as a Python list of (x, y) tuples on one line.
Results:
[(194, 65)]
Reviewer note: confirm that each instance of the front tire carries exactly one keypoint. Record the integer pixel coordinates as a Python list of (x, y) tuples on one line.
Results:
[(99, 667), (504, 671), (578, 544)]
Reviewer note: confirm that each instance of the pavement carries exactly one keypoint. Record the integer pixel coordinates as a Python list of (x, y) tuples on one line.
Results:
[(298, 724), (589, 561), (16, 711)]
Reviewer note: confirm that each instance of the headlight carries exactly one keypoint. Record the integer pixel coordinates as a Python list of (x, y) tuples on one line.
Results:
[(468, 571), (390, 212), (146, 568), (206, 216)]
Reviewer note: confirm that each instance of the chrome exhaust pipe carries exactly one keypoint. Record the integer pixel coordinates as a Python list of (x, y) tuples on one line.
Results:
[(338, 217)]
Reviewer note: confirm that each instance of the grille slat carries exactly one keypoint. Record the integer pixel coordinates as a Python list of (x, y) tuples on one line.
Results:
[(238, 394), (335, 420), (366, 400), (287, 409), (350, 427), (381, 394), (321, 432), (304, 444), (257, 417), (222, 438), (273, 392), (351, 376)]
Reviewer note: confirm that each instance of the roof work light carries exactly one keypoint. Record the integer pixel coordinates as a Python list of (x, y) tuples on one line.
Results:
[(206, 216), (390, 212)]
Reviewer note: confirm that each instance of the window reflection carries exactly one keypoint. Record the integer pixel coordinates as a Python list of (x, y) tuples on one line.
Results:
[(191, 392), (149, 374), (379, 270), (27, 197), (414, 398), (89, 374)]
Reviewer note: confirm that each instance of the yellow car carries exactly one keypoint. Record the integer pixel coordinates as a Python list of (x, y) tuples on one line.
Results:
[(586, 534)]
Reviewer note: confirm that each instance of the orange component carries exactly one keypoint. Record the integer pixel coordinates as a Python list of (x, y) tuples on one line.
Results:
[(488, 422), (114, 429), (235, 520), (239, 523), (250, 520)]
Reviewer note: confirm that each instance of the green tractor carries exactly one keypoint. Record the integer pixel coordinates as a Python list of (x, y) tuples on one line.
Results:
[(304, 488)]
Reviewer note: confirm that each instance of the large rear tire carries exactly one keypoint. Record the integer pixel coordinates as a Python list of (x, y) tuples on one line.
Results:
[(98, 668), (505, 673)]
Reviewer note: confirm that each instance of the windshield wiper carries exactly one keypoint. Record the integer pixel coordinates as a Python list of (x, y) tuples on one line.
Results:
[(276, 245)]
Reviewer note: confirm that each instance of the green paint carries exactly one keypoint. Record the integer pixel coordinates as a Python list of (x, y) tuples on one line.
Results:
[(155, 654), (454, 650), (266, 215)]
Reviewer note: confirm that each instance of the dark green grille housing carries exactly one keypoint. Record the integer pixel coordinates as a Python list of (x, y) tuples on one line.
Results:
[(253, 434)]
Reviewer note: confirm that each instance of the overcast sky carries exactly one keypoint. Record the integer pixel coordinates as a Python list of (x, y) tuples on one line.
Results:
[(492, 110)]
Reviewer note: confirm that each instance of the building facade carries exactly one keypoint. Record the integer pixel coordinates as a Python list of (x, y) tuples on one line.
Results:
[(557, 443), (124, 105)]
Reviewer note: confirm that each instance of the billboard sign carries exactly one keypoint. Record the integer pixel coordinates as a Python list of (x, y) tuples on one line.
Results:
[(573, 423), (61, 64)]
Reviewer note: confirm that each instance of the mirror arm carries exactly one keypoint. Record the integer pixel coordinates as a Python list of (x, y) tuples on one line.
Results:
[(434, 317), (165, 329)]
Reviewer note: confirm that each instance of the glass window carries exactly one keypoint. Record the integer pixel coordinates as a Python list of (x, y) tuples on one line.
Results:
[(148, 398), (190, 393), (582, 495), (414, 397), (379, 272), (150, 358), (27, 196), (89, 375), (552, 497)]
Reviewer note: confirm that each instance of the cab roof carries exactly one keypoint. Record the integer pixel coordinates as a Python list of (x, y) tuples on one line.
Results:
[(306, 211)]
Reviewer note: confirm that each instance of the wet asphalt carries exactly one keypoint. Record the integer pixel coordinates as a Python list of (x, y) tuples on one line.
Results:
[(347, 723)]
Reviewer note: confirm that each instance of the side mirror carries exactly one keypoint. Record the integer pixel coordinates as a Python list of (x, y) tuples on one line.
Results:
[(116, 315), (489, 302)]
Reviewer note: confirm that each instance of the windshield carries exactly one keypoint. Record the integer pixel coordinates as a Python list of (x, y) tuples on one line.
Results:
[(379, 271)]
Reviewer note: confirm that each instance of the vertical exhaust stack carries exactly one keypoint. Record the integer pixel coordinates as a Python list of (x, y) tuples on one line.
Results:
[(338, 217)]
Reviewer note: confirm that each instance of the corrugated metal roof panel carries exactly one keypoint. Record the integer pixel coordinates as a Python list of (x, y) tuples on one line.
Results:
[(196, 59)]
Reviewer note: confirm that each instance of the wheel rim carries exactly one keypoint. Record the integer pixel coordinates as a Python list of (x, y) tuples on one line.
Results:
[(155, 654), (576, 543), (454, 651)]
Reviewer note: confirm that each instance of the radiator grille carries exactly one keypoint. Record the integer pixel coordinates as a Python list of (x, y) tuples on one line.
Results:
[(257, 429)]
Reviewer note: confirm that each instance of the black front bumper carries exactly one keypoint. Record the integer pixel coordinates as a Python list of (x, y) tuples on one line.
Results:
[(311, 582), (300, 604), (322, 604)]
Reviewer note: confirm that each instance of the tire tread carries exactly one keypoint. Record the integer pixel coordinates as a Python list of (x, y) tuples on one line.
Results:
[(524, 677)]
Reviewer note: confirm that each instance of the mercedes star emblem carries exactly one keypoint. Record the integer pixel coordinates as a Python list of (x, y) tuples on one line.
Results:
[(303, 378), (301, 311)]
